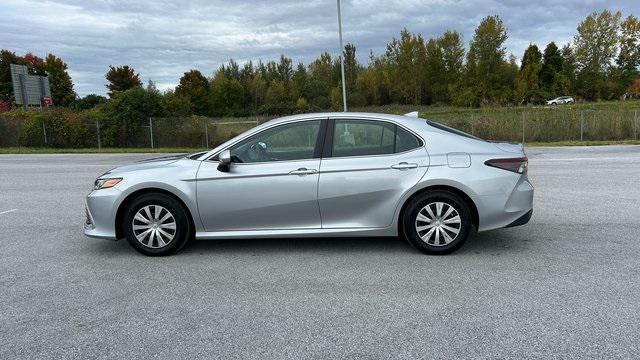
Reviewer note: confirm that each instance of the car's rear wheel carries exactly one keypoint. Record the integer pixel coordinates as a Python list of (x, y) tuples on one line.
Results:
[(437, 222), (156, 225)]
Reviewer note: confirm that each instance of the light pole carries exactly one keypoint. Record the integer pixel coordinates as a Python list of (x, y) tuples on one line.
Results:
[(344, 85)]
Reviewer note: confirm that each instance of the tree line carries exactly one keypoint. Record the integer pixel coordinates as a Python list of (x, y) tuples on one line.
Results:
[(601, 63)]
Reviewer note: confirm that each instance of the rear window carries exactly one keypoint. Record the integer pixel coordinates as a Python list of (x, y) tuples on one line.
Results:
[(452, 130)]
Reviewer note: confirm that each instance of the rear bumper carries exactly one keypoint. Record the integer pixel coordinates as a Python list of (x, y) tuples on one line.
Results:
[(522, 219), (498, 211)]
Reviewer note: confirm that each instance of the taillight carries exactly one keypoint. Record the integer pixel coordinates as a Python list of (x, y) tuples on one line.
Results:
[(517, 165)]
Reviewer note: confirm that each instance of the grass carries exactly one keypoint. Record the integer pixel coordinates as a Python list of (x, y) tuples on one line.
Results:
[(45, 150), (439, 110), (583, 143)]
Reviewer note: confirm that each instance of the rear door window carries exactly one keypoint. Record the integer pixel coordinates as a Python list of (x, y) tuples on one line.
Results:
[(370, 137)]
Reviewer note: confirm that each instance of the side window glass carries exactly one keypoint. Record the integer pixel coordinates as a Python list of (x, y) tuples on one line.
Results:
[(370, 137), (362, 137), (405, 140), (295, 141)]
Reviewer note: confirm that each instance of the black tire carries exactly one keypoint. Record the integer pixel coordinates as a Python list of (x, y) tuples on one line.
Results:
[(409, 222), (181, 235)]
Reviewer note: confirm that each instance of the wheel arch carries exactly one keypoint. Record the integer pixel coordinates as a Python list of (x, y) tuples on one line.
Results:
[(475, 218), (122, 208)]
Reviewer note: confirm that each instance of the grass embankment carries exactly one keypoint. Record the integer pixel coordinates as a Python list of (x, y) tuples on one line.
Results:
[(27, 150), (600, 123)]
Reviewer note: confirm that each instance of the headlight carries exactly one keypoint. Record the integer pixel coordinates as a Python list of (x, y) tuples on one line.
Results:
[(106, 183)]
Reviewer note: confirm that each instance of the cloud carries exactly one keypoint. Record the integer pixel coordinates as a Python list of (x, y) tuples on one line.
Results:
[(162, 39)]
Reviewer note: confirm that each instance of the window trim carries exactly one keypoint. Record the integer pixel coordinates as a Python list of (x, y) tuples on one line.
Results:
[(327, 151), (317, 150), (325, 139)]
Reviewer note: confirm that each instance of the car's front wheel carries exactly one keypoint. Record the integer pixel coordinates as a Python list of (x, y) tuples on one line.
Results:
[(156, 224), (437, 222)]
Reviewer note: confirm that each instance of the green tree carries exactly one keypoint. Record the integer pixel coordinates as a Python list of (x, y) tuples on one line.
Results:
[(595, 48), (323, 76), (284, 71), (628, 59), (405, 59), (351, 66), (6, 87), (175, 105), (89, 102), (277, 100), (485, 60), (121, 78), (527, 86), (374, 82), (127, 112), (452, 49), (195, 86), (59, 81), (434, 72), (550, 73), (226, 95), (568, 72)]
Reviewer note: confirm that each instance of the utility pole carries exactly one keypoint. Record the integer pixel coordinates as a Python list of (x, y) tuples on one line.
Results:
[(344, 85)]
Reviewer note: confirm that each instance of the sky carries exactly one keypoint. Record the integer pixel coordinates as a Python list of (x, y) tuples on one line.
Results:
[(162, 39)]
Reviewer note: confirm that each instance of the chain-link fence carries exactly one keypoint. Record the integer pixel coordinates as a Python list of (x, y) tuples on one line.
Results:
[(508, 124), (153, 133), (546, 125)]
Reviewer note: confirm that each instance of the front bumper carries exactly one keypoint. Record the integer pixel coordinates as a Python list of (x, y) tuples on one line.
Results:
[(101, 207)]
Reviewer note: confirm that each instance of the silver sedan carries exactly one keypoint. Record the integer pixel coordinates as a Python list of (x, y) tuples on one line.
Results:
[(319, 175)]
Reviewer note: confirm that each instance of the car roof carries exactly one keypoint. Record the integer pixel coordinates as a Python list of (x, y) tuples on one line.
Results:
[(406, 120)]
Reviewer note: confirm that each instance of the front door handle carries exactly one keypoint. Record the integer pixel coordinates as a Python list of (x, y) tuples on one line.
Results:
[(404, 165), (303, 171)]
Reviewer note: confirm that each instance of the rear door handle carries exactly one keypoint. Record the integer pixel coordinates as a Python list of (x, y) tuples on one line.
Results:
[(404, 165), (303, 171)]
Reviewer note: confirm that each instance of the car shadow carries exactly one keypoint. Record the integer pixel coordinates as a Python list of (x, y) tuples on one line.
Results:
[(491, 242), (495, 241), (301, 245)]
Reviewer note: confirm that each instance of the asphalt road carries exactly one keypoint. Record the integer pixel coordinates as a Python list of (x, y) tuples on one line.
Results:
[(567, 285)]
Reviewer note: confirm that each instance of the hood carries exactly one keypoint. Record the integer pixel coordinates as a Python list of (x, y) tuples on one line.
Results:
[(146, 164)]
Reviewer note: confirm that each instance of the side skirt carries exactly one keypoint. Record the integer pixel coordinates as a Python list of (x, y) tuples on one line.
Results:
[(297, 233)]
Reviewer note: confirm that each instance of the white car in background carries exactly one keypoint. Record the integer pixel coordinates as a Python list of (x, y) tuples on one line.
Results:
[(561, 100)]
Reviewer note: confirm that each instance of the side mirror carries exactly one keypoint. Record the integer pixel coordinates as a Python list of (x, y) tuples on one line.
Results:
[(224, 159)]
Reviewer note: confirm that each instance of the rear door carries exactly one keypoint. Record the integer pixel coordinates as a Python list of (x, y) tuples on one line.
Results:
[(367, 166)]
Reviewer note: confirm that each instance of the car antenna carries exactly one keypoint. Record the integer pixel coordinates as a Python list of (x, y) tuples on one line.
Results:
[(412, 114)]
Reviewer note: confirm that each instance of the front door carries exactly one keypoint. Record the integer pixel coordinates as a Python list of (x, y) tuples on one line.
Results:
[(272, 182)]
